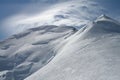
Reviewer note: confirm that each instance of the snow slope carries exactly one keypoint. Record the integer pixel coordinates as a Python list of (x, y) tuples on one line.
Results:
[(24, 53), (93, 53)]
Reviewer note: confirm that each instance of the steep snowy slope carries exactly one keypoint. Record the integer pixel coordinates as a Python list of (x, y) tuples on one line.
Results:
[(93, 53), (26, 52)]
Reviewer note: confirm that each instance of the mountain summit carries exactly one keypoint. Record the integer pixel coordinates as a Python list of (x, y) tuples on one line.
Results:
[(103, 16), (101, 26), (106, 23)]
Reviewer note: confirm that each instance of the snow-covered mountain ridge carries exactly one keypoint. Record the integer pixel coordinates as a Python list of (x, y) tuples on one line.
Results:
[(63, 53), (90, 54)]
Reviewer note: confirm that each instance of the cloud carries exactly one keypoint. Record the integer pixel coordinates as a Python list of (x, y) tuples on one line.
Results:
[(72, 13)]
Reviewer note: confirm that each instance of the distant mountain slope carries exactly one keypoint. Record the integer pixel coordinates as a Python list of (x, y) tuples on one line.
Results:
[(93, 53), (26, 52)]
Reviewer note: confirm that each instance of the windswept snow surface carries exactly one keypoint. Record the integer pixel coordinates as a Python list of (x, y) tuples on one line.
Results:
[(24, 53), (93, 53)]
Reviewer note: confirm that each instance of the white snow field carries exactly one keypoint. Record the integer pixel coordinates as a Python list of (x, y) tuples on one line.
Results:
[(24, 53), (93, 53)]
